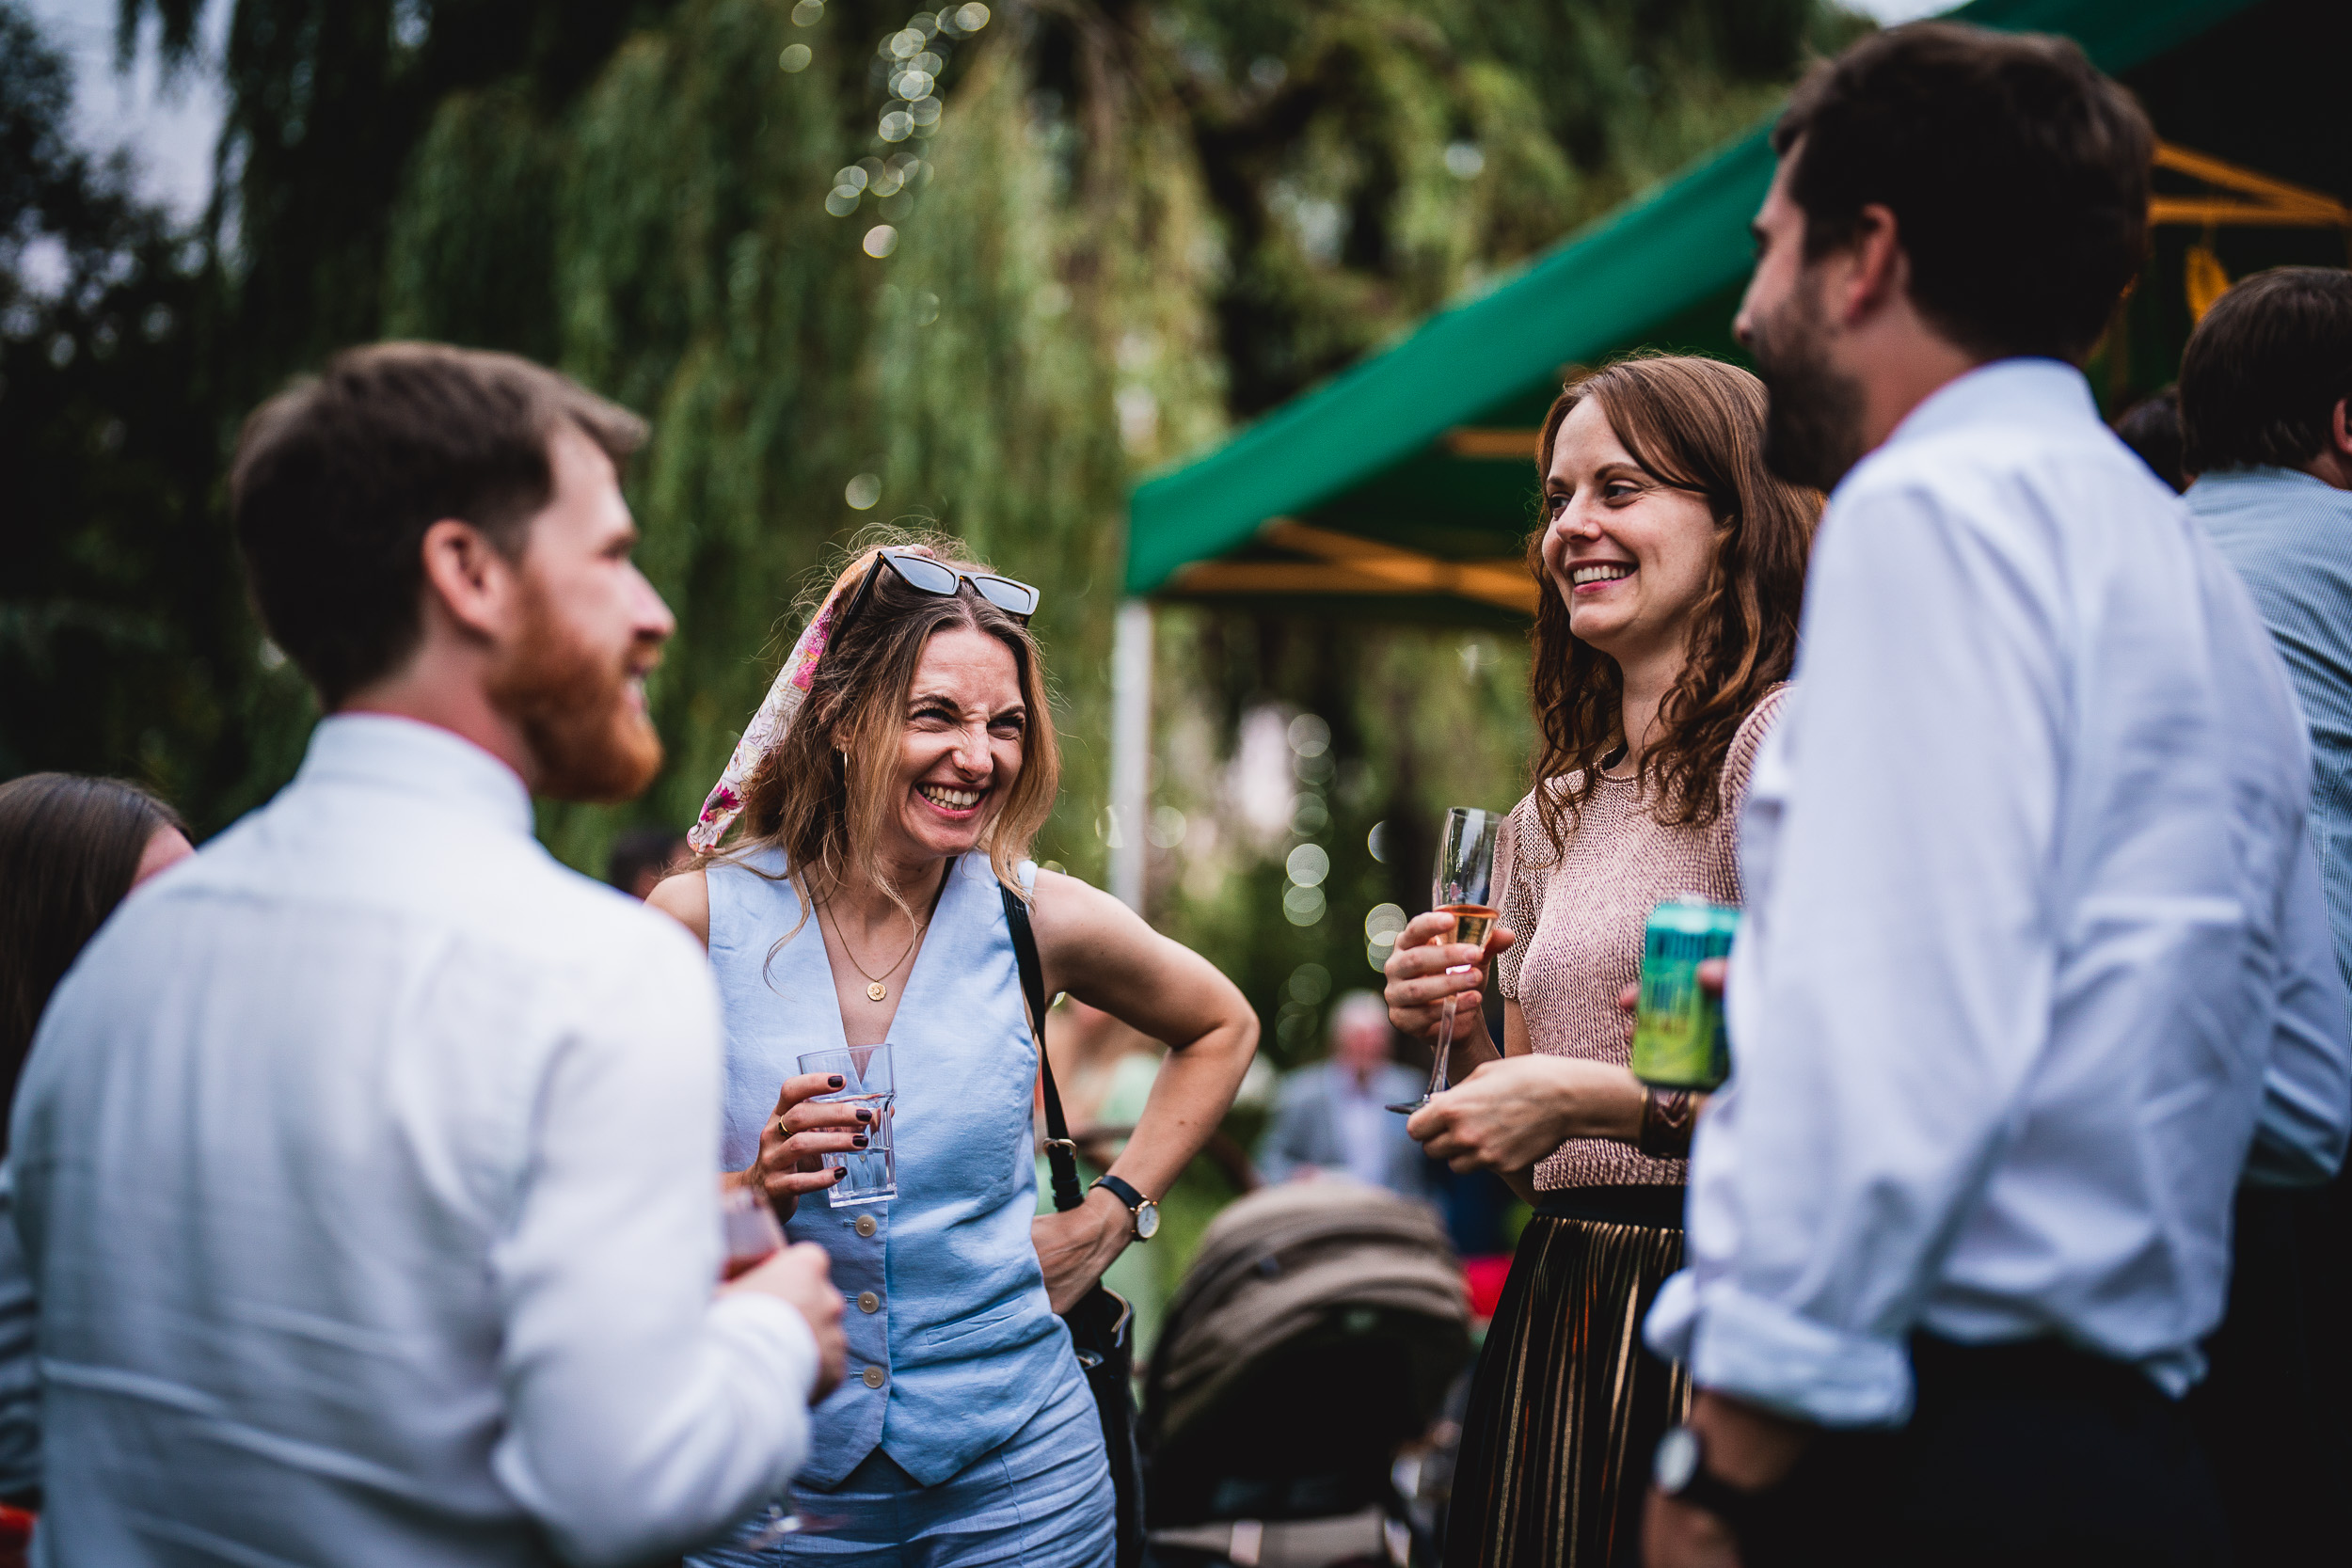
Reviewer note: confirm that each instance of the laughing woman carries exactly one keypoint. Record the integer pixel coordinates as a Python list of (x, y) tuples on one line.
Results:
[(887, 790), (1672, 565)]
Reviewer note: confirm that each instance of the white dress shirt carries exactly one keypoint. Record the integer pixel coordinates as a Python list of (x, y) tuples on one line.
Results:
[(2035, 952), (363, 1170)]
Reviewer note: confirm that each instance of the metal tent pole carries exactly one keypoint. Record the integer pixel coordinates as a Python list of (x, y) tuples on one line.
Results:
[(1131, 749)]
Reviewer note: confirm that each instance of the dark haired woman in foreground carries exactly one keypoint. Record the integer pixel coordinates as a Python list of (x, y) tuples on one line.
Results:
[(890, 790), (71, 849), (1673, 567)]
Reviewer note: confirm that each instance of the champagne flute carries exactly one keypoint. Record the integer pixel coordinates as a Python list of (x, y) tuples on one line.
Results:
[(1463, 887)]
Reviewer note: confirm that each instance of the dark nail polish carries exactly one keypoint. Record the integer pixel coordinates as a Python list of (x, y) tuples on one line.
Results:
[(834, 1082), (839, 1172), (858, 1141), (865, 1115)]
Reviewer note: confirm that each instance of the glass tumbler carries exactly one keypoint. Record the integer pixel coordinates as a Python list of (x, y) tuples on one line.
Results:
[(866, 1081)]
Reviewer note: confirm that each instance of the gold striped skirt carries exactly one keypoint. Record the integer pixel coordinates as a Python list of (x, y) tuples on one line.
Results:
[(1568, 1403)]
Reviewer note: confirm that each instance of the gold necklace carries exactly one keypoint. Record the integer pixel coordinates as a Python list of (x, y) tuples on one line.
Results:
[(874, 990)]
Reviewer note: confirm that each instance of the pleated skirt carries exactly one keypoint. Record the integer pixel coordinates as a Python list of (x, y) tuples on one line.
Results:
[(1567, 1404)]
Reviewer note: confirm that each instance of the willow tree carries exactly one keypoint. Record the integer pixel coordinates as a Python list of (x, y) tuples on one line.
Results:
[(859, 263)]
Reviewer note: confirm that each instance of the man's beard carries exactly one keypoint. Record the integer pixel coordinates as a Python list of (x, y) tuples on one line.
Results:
[(572, 702), (1813, 419)]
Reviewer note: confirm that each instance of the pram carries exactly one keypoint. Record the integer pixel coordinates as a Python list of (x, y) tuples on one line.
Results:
[(1314, 1337)]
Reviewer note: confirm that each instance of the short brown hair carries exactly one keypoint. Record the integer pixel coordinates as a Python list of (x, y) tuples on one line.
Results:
[(337, 479), (1696, 425), (2018, 176), (69, 847), (2264, 371)]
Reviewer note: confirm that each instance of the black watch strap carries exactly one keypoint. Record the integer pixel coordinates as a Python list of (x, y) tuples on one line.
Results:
[(1735, 1506), (1122, 1191), (1739, 1509)]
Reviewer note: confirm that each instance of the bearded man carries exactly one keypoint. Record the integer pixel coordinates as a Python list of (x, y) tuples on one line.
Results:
[(2035, 967), (363, 1164)]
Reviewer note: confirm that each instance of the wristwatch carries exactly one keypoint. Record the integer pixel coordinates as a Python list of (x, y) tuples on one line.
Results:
[(1146, 1213), (1679, 1470)]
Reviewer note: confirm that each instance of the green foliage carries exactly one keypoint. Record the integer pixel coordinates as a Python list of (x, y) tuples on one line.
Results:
[(1350, 735), (1134, 221), (1131, 221), (124, 646)]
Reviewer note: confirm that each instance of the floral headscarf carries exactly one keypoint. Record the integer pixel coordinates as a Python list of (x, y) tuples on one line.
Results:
[(782, 705)]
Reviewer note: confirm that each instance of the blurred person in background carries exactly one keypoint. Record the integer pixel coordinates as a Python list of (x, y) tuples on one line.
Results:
[(1103, 1068), (71, 849), (2035, 968), (2264, 383), (641, 857), (1673, 569), (2151, 428), (888, 789), (1331, 1117), (362, 1165)]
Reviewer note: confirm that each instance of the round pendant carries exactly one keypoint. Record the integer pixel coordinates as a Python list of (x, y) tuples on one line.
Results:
[(876, 991)]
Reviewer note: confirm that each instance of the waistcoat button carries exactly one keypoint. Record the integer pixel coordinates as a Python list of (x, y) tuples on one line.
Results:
[(872, 1376), (866, 1225), (868, 1301)]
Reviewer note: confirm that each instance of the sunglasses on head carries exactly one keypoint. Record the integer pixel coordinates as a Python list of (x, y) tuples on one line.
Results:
[(926, 576)]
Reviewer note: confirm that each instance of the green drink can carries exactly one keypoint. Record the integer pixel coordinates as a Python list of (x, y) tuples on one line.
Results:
[(1679, 1040)]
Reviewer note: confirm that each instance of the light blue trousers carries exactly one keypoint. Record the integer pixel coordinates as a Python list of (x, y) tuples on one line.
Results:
[(1042, 1499)]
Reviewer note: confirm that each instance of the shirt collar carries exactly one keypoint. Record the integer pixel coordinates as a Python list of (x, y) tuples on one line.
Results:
[(381, 751), (2007, 391), (2261, 476)]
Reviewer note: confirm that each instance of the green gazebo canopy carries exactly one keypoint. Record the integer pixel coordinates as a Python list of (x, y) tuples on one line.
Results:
[(1405, 482)]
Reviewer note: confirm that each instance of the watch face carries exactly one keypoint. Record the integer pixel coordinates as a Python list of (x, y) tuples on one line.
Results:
[(1677, 1460), (1147, 1220)]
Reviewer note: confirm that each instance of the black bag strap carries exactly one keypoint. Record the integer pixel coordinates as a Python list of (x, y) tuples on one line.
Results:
[(1061, 1153)]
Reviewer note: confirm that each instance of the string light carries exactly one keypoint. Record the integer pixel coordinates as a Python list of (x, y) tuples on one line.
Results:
[(910, 62)]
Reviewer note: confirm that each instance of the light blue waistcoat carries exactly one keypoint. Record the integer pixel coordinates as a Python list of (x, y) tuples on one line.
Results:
[(967, 1345)]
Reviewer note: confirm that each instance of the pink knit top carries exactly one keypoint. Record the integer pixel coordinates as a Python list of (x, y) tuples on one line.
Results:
[(1579, 918)]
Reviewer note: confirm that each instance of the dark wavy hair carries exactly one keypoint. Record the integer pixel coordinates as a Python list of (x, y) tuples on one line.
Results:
[(1698, 425), (69, 847)]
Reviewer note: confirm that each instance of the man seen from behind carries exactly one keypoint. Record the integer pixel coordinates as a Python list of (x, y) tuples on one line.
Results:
[(2035, 967), (366, 1163), (2265, 386)]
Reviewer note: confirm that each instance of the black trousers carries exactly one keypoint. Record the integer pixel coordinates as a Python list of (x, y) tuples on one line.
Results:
[(2271, 1414), (2022, 1455)]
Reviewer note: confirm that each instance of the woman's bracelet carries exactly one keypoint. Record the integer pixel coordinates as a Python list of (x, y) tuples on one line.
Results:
[(1667, 1117)]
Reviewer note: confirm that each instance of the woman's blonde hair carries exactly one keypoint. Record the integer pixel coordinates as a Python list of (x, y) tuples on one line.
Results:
[(823, 792), (1696, 425)]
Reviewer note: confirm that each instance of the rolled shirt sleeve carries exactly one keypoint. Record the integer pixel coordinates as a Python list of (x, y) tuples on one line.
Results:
[(646, 1412)]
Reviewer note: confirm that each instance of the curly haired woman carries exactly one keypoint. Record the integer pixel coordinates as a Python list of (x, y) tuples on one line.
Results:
[(1673, 567)]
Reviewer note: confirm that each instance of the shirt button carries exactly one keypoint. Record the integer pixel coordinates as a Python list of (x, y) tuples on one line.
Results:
[(872, 1376), (866, 1225), (868, 1301)]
